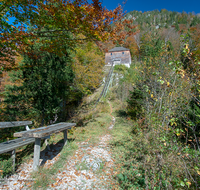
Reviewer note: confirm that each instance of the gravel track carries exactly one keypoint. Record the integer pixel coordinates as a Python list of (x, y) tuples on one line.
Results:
[(91, 167)]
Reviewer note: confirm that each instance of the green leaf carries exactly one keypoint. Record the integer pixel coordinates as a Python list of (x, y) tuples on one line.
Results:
[(182, 184), (161, 81), (121, 177)]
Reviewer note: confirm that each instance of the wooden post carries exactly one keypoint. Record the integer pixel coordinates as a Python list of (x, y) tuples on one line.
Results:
[(13, 156), (36, 158), (65, 137)]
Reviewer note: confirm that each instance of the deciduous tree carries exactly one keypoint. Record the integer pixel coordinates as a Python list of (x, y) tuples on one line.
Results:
[(77, 16), (88, 67)]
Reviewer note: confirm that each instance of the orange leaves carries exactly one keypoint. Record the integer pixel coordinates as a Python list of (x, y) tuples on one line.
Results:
[(121, 30), (132, 45), (90, 19)]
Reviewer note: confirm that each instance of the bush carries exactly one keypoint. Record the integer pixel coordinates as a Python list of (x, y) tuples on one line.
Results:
[(163, 152), (135, 104), (151, 159), (6, 166)]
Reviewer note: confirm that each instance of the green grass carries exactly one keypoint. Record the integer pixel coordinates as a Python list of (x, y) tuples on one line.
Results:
[(23, 154), (94, 123), (150, 158), (89, 132), (127, 167)]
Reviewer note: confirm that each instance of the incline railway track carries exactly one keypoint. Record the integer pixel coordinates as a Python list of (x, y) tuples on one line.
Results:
[(106, 85)]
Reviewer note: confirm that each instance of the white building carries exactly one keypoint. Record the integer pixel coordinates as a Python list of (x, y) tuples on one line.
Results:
[(119, 56)]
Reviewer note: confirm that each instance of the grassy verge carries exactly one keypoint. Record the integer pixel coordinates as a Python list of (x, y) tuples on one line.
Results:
[(92, 127), (44, 176), (150, 158)]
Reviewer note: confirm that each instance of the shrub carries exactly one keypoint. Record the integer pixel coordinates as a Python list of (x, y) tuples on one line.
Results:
[(6, 166), (135, 104)]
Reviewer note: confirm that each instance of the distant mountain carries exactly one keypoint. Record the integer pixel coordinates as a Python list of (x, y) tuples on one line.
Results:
[(163, 18)]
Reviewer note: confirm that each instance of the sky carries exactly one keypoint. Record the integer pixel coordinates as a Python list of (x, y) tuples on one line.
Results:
[(188, 6)]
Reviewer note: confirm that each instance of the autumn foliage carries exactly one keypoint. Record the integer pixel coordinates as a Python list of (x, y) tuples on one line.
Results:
[(58, 17), (88, 67)]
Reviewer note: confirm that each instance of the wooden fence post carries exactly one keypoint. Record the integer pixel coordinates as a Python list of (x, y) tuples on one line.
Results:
[(65, 137), (36, 158), (13, 156)]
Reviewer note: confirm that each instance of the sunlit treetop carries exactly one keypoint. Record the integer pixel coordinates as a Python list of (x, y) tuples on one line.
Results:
[(53, 19)]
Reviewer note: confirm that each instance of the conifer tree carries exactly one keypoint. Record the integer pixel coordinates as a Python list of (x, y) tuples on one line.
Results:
[(46, 82), (195, 21), (177, 26)]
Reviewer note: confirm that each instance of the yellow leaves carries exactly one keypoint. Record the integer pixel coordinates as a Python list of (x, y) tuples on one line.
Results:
[(188, 183), (88, 67), (168, 84)]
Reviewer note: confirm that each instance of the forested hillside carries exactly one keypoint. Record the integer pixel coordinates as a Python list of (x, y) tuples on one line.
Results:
[(159, 106), (163, 18)]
